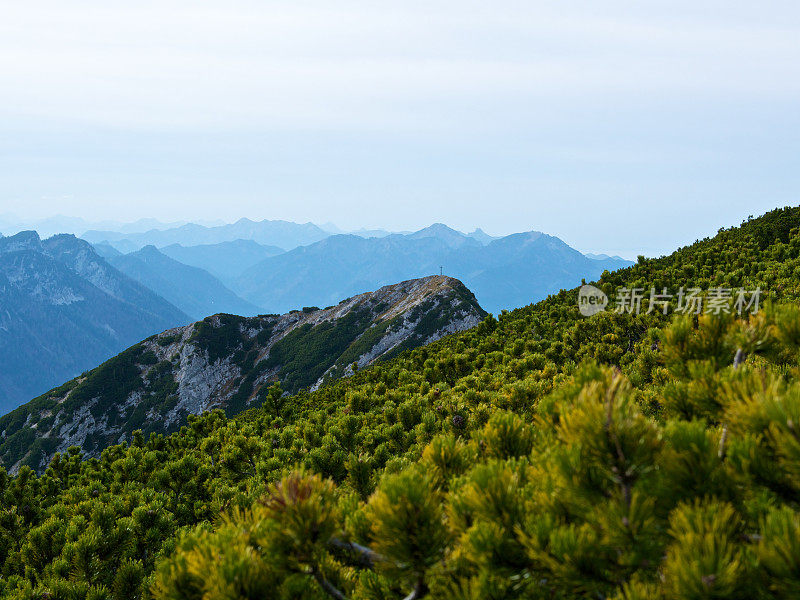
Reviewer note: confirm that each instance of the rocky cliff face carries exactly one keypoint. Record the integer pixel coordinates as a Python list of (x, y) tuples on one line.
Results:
[(63, 309), (231, 362)]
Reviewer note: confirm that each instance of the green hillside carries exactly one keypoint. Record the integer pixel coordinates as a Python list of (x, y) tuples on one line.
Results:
[(539, 455)]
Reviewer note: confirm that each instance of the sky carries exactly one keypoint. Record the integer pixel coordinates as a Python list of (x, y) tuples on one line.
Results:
[(621, 127)]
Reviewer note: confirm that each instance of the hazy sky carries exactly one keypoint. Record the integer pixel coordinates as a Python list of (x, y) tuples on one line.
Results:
[(618, 126)]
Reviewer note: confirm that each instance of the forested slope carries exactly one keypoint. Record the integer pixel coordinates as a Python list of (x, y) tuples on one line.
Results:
[(540, 455)]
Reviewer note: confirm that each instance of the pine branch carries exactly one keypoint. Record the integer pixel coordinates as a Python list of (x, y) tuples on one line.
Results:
[(326, 585), (420, 590), (738, 359), (620, 468), (360, 555), (365, 557)]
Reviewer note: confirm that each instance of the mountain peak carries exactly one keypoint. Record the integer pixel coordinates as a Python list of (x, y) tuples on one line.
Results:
[(480, 235), (24, 240), (448, 235), (436, 229), (149, 249), (229, 362)]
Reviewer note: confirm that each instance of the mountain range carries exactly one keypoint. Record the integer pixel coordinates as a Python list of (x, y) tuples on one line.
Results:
[(11, 224), (64, 309), (283, 234), (231, 362), (503, 273), (321, 267), (108, 299)]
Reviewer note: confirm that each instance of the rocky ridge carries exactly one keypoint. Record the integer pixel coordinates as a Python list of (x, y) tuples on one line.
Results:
[(231, 362)]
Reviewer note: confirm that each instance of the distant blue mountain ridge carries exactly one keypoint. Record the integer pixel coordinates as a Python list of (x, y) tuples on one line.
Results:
[(503, 273), (320, 267)]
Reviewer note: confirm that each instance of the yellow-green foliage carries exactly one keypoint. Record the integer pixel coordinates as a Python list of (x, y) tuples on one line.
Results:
[(539, 455)]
